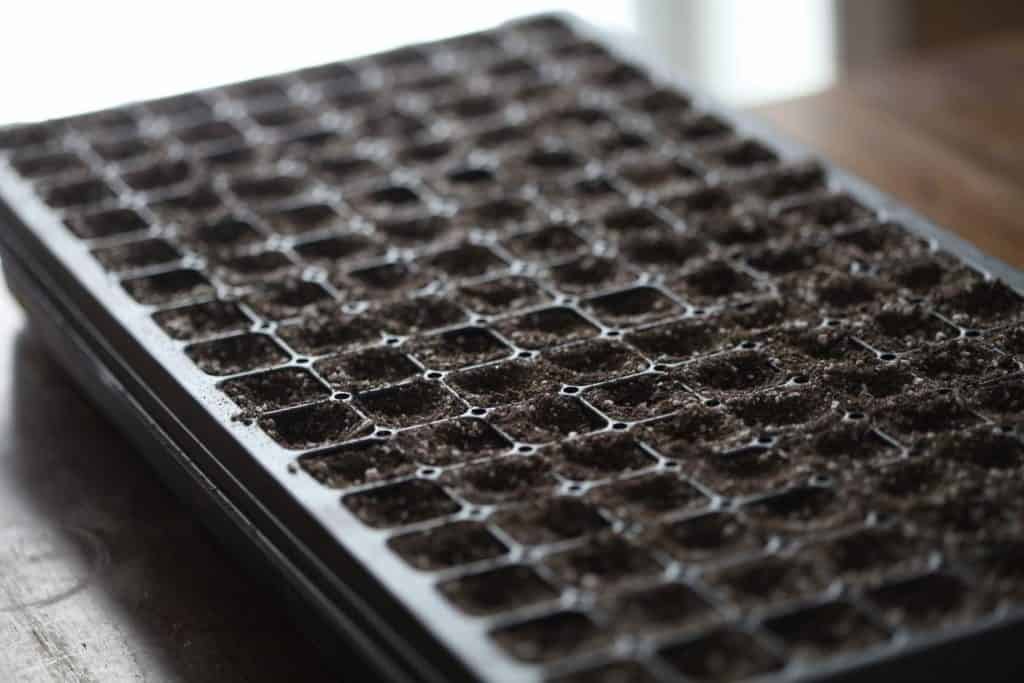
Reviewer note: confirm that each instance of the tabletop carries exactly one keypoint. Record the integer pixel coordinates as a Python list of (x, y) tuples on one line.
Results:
[(104, 576)]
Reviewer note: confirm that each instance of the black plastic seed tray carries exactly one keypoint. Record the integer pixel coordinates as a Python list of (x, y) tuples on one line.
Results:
[(508, 360)]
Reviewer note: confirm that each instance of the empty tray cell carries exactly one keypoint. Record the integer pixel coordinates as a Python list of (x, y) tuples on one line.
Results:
[(274, 390), (547, 418), (502, 295), (452, 442), (404, 405), (667, 606), (986, 447), (550, 520), (224, 233), (77, 193), (299, 220), (648, 496), (898, 328), (867, 554), (657, 250), (458, 348), (212, 132), (318, 424), (604, 562), (725, 655), (367, 369), (501, 480), (47, 164), (831, 211), (551, 243), (925, 602), (961, 360), (175, 286), (918, 414), (362, 462), (802, 509), (595, 360), (317, 336), (504, 382), (731, 371), (549, 637), (825, 630), (384, 280), (767, 581), (686, 433), (266, 189), (588, 273), (600, 457), (714, 536), (240, 353), (137, 255), (260, 266), (407, 502), (677, 340), (498, 590), (713, 282), (159, 176), (611, 672), (289, 298), (420, 314), (781, 407), (631, 306), (640, 397), (546, 327), (447, 546), (202, 320)]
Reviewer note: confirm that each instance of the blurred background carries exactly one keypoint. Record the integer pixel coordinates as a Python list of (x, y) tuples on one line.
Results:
[(65, 57)]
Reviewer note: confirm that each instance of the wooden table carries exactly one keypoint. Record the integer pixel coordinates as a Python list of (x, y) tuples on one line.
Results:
[(944, 133), (104, 576)]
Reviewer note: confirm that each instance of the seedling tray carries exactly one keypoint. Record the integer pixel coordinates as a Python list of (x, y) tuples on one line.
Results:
[(507, 359)]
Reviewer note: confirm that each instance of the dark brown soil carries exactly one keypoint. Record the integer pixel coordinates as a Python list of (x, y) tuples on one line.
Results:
[(762, 314), (448, 546), (319, 424), (407, 502), (501, 295), (664, 606), (715, 535), (223, 234), (785, 182), (273, 390), (262, 266), (419, 315), (236, 354), (721, 655), (686, 433), (466, 260), (867, 552), (983, 447), (499, 590), (317, 336), (713, 281), (786, 259), (827, 212), (106, 223), (647, 496), (547, 418), (1003, 399), (640, 397), (739, 229), (339, 251), (383, 280), (733, 371), (412, 403), (825, 630), (137, 255), (546, 327), (589, 273), (631, 307), (747, 470), (961, 358), (981, 303), (160, 175), (191, 205), (865, 380), (660, 251), (614, 672), (175, 286), (552, 242), (920, 414), (924, 602), (502, 480), (1010, 340), (289, 299), (452, 442), (817, 344), (742, 155), (202, 320), (842, 292), (803, 508), (677, 340), (767, 581), (549, 637), (364, 462), (595, 361), (905, 481), (1000, 567), (550, 520), (604, 562), (505, 382), (367, 369), (782, 407), (600, 456), (78, 193), (458, 348), (835, 441)]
